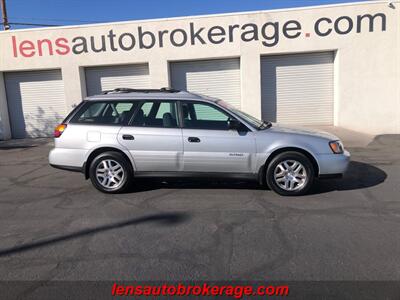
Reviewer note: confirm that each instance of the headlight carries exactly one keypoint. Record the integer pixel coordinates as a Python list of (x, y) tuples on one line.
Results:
[(336, 147)]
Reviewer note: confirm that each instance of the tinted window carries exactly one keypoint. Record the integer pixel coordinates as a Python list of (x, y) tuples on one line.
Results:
[(156, 114), (122, 107), (256, 123), (204, 116), (146, 107), (105, 113)]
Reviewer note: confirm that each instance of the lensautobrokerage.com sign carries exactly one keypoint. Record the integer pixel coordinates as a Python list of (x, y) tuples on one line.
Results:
[(268, 34)]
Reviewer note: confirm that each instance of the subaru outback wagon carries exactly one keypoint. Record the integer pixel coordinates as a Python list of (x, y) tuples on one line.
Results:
[(125, 134)]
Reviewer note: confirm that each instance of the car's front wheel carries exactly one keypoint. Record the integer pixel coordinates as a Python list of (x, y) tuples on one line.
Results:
[(110, 172), (290, 174)]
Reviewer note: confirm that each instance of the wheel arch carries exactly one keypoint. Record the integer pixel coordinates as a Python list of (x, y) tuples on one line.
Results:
[(263, 168), (95, 152)]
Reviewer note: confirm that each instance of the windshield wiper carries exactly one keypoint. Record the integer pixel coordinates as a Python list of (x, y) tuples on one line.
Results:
[(265, 125)]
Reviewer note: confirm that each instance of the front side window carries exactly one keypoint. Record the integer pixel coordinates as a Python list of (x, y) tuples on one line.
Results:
[(162, 114), (204, 116), (105, 113), (256, 123)]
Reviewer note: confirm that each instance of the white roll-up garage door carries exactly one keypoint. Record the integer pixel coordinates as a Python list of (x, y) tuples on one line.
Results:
[(100, 79), (298, 89), (218, 78), (36, 102)]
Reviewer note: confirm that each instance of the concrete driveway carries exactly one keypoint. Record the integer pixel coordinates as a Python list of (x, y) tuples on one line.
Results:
[(55, 226)]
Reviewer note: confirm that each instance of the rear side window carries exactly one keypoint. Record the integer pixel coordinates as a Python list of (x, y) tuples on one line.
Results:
[(105, 113), (162, 114)]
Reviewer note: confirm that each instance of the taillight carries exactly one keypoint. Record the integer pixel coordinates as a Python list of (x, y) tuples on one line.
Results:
[(59, 130)]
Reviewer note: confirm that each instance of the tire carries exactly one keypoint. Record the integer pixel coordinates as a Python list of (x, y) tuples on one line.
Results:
[(110, 172), (290, 174)]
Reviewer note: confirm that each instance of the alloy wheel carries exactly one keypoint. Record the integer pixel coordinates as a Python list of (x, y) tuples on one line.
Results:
[(110, 174), (290, 175)]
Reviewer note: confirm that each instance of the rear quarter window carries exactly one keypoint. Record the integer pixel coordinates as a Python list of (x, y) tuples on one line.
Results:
[(105, 113)]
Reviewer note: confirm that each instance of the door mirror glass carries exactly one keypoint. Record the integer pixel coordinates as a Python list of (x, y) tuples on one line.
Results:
[(234, 124)]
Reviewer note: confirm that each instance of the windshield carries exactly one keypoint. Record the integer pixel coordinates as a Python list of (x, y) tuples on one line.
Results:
[(256, 123)]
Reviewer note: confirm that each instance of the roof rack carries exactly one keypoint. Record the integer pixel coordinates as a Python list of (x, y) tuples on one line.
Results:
[(129, 90)]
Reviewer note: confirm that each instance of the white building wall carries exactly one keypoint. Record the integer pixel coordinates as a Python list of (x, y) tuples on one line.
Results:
[(367, 65)]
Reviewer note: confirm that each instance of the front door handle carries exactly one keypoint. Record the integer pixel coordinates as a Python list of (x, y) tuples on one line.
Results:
[(193, 139), (128, 137)]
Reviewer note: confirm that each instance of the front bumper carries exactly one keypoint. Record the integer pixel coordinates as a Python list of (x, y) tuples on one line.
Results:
[(333, 164)]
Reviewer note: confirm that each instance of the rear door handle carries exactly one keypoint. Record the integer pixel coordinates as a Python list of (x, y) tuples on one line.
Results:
[(193, 139), (128, 137)]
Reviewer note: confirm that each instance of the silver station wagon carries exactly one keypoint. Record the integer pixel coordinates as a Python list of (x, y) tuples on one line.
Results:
[(124, 134)]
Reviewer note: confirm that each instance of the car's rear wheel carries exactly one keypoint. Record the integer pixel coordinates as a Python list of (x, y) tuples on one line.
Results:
[(110, 172), (290, 174)]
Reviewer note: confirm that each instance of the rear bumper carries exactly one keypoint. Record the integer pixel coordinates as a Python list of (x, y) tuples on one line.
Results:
[(67, 159), (68, 168), (333, 165)]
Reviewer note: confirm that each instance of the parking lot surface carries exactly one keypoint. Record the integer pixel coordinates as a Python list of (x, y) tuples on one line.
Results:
[(55, 226)]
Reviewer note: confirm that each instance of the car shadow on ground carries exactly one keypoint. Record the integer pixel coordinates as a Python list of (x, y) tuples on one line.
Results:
[(150, 184), (163, 219), (358, 176)]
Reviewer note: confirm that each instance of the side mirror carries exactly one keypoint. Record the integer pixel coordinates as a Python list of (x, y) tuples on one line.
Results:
[(234, 124)]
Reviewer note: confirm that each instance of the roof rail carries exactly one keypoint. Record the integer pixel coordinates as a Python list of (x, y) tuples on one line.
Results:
[(129, 90)]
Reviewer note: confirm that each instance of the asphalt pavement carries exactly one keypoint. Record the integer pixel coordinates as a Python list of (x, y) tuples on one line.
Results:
[(55, 226)]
